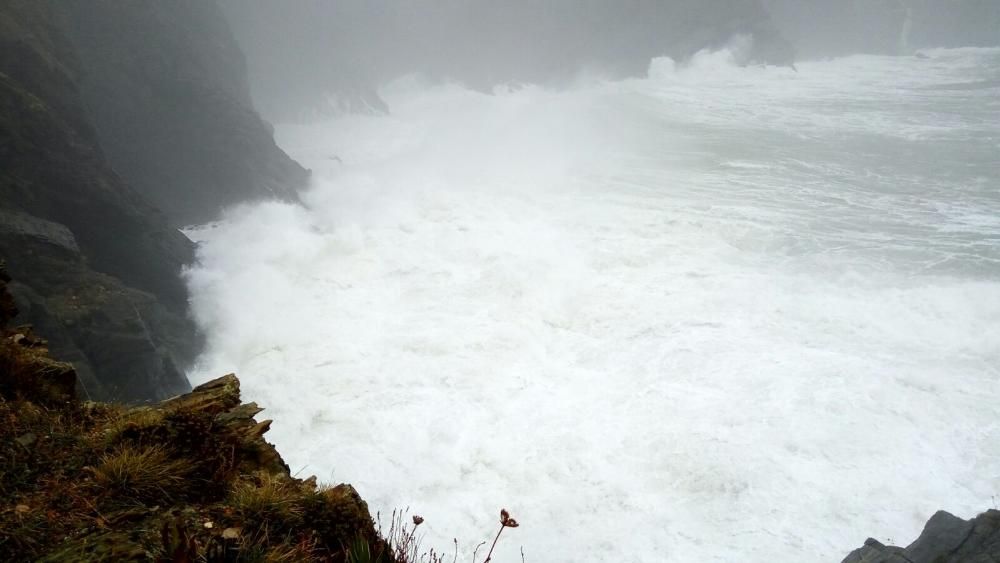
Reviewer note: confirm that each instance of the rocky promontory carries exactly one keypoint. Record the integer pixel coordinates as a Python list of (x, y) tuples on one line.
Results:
[(946, 539), (187, 479)]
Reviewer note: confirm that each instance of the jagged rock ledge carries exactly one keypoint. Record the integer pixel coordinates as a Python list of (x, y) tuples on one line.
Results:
[(188, 479), (946, 539)]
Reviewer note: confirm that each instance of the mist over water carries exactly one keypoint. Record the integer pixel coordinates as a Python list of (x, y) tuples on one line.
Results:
[(719, 313)]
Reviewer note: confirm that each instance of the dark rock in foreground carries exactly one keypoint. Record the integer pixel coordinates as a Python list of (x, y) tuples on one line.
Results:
[(945, 539)]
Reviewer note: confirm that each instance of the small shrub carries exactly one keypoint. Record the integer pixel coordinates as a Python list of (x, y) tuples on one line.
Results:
[(336, 515), (401, 544)]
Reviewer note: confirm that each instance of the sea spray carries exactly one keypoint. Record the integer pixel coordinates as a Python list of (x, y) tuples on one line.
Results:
[(719, 313)]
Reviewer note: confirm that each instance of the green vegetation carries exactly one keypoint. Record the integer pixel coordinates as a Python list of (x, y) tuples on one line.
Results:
[(95, 482)]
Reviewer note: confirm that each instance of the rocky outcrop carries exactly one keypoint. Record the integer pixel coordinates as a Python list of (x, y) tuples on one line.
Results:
[(98, 267), (24, 362), (165, 85), (945, 539), (188, 479)]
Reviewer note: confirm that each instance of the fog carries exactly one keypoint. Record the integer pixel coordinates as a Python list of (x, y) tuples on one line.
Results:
[(821, 28), (300, 52), (314, 55)]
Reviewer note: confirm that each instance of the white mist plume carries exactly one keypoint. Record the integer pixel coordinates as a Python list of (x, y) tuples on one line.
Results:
[(690, 317)]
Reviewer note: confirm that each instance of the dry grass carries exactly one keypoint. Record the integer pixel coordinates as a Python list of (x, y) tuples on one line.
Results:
[(267, 498), (43, 451), (143, 474), (404, 541), (266, 549)]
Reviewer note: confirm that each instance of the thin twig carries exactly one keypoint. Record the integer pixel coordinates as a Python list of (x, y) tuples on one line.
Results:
[(476, 551), (489, 556)]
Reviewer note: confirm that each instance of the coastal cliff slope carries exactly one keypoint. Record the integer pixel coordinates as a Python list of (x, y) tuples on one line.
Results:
[(165, 85), (98, 267), (120, 121)]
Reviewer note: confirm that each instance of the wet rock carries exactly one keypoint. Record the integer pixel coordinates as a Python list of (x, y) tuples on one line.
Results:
[(98, 267), (8, 307), (18, 225), (946, 539), (166, 87)]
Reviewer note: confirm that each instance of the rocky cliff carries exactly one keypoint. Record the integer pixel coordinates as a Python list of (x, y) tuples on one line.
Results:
[(109, 112), (98, 266), (945, 539), (165, 85)]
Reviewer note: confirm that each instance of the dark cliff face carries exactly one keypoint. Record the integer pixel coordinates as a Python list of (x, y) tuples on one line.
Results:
[(109, 112), (165, 86), (97, 266)]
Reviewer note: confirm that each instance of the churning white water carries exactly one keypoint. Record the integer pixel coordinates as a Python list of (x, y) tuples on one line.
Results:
[(717, 314)]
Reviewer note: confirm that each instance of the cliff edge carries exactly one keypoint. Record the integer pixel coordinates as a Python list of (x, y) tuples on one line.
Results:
[(188, 479)]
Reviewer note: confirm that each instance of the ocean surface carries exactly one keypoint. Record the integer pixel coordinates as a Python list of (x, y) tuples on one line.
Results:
[(714, 314)]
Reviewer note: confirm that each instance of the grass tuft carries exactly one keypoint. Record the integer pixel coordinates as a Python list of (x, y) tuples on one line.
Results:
[(144, 474), (266, 498)]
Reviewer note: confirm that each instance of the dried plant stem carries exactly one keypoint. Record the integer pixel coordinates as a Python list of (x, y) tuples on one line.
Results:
[(475, 552), (489, 556)]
